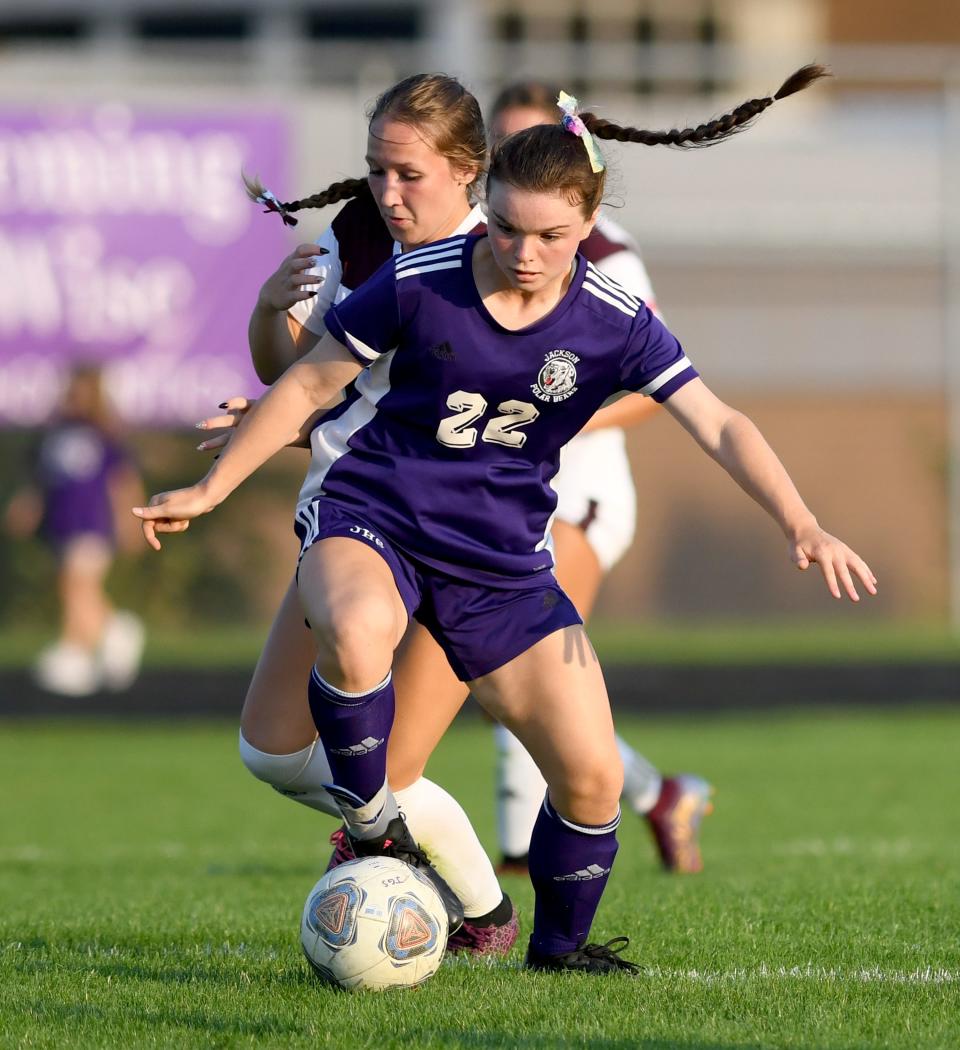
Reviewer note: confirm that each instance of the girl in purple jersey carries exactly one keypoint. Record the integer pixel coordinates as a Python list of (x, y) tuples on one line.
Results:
[(286, 323), (428, 495), (593, 528), (84, 478)]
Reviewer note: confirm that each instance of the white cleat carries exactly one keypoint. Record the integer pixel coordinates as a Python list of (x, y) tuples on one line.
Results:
[(121, 650), (67, 669)]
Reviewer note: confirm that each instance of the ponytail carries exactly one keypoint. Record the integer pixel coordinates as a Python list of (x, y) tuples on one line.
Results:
[(713, 131)]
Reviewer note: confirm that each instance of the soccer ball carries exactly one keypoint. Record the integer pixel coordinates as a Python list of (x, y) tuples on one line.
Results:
[(374, 923)]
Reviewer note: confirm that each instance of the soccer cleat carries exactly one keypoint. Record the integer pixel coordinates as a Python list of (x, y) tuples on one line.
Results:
[(675, 821), (67, 669), (514, 865), (342, 850), (589, 958), (120, 650), (398, 842), (491, 939)]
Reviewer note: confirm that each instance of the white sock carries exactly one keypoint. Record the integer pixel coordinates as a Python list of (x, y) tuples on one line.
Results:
[(436, 820), (299, 776), (366, 819), (520, 791), (641, 781), (440, 825)]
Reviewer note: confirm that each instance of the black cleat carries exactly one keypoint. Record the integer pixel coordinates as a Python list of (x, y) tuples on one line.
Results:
[(590, 958), (399, 843)]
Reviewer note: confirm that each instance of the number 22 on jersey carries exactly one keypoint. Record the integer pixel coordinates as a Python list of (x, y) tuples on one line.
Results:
[(457, 431)]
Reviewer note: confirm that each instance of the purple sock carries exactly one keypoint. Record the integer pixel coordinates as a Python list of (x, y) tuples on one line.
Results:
[(569, 867), (354, 728)]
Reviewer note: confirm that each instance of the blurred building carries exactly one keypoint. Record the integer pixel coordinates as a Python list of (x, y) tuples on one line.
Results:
[(646, 45)]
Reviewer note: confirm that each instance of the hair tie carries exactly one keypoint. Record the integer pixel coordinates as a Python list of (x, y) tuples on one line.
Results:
[(270, 203), (572, 123)]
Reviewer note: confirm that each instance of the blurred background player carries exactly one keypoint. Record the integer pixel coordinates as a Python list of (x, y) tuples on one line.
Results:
[(83, 479), (594, 526)]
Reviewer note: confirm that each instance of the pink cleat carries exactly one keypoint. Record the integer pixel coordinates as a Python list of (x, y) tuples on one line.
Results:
[(675, 821), (342, 850), (490, 940)]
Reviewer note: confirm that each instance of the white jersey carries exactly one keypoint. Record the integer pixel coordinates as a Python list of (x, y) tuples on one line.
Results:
[(594, 486)]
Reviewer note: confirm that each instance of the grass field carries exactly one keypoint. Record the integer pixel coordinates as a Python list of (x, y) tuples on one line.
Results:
[(615, 642), (151, 892)]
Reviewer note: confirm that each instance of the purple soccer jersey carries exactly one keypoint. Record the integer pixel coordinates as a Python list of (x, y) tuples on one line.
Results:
[(450, 437), (73, 471)]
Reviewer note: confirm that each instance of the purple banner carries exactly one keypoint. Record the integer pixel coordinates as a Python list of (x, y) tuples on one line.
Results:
[(126, 238)]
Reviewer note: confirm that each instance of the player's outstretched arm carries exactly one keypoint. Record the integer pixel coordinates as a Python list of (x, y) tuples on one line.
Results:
[(274, 422), (736, 444)]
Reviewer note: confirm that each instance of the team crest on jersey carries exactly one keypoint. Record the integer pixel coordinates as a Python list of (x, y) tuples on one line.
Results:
[(558, 378)]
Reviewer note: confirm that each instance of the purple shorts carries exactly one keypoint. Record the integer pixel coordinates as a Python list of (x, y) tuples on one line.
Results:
[(479, 627)]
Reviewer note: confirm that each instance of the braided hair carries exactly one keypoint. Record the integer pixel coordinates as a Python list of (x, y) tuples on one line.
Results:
[(333, 194), (713, 131), (548, 159), (437, 105)]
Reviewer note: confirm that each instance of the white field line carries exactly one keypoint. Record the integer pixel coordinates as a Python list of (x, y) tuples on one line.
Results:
[(807, 972), (841, 846), (746, 975), (920, 975)]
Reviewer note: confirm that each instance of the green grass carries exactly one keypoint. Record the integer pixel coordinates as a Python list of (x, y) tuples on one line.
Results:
[(238, 646), (151, 892)]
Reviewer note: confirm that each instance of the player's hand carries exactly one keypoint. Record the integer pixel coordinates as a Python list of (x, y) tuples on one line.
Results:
[(291, 283), (839, 564), (235, 408), (172, 511)]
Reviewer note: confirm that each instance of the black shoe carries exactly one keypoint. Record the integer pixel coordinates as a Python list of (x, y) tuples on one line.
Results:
[(399, 843), (590, 958)]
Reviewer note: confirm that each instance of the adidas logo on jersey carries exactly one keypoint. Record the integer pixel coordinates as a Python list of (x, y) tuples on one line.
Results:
[(584, 874), (443, 351), (365, 746)]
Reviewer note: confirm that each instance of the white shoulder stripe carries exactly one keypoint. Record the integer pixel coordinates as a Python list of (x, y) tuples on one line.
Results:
[(618, 304), (453, 264), (427, 248), (612, 284), (612, 287), (358, 346), (666, 375), (444, 253)]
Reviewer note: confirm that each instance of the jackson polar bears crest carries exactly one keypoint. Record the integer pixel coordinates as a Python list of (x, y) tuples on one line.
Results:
[(557, 379)]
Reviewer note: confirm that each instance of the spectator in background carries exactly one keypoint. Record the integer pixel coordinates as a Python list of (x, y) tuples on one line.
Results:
[(83, 481)]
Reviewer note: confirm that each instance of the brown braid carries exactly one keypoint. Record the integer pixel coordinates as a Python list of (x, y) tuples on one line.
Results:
[(713, 131), (333, 194)]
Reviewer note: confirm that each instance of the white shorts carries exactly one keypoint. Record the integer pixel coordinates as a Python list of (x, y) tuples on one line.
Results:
[(595, 492)]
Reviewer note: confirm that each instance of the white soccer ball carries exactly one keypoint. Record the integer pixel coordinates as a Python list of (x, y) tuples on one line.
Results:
[(374, 923)]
